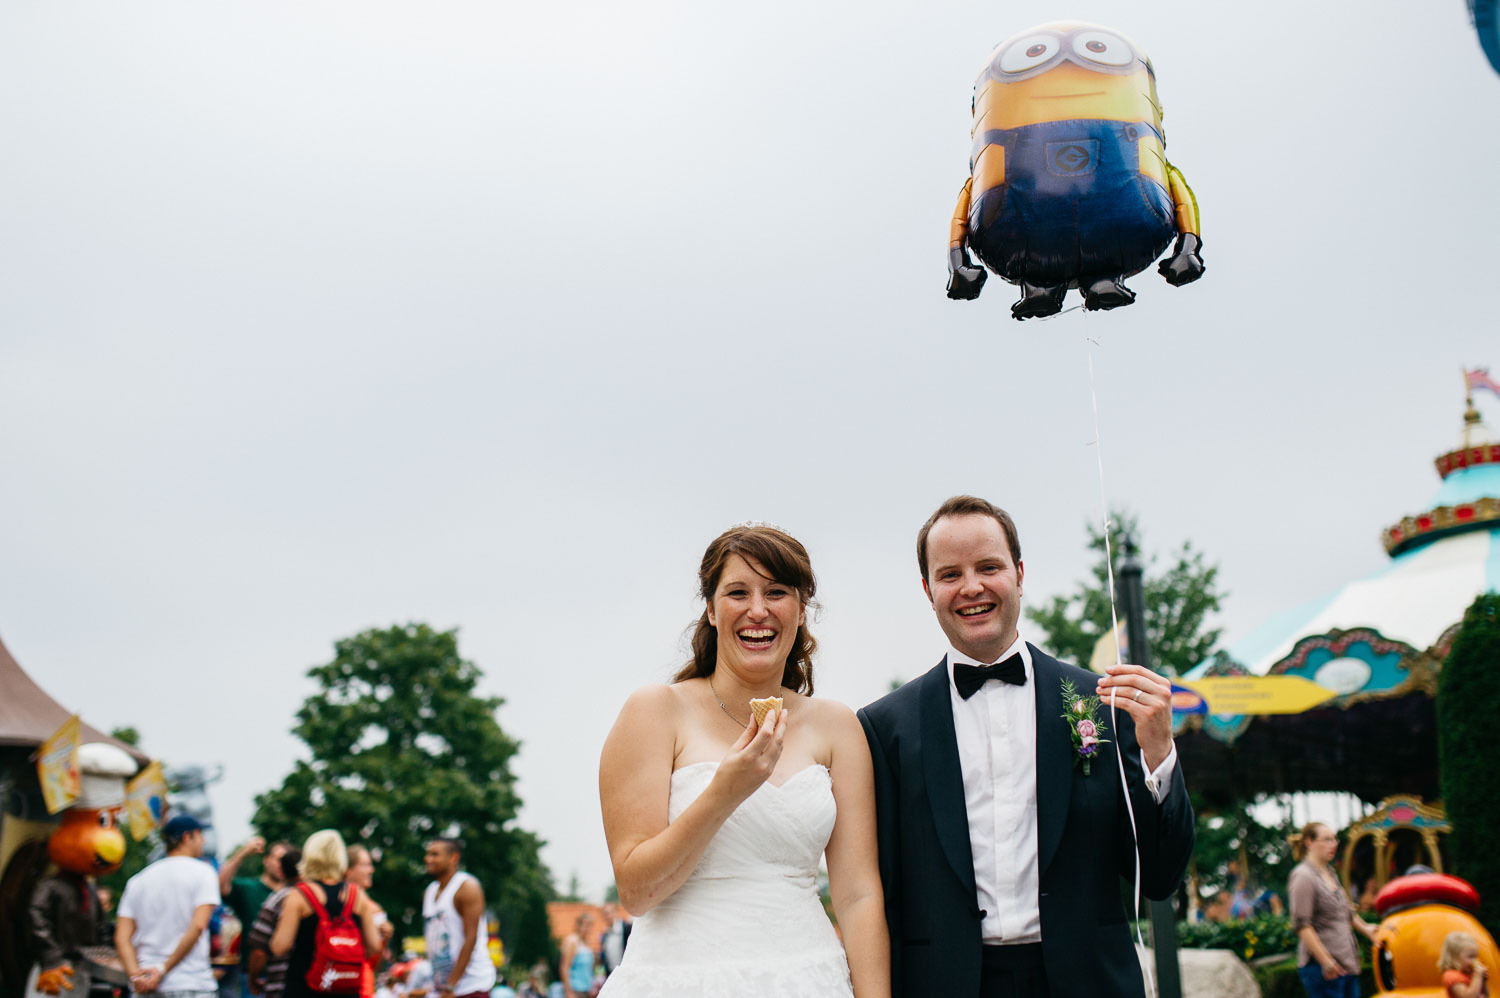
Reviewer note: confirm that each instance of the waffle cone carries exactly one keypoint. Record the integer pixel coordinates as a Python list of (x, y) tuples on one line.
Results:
[(760, 708)]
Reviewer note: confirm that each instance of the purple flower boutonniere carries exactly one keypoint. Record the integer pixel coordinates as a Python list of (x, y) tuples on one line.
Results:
[(1085, 729)]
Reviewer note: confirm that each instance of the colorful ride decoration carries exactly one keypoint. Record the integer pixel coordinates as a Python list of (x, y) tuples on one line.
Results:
[(1069, 184), (1402, 831), (1377, 643), (1416, 914), (64, 917), (29, 718)]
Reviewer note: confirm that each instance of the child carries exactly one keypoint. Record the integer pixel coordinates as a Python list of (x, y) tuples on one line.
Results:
[(1463, 974)]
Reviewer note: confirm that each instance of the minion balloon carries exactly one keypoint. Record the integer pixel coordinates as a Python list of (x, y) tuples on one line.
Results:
[(1069, 184)]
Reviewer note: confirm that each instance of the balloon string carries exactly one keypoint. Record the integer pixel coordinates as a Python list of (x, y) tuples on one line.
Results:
[(1114, 621), (1054, 315)]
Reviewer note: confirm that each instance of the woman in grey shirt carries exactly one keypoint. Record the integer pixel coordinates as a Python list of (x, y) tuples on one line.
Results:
[(1323, 917)]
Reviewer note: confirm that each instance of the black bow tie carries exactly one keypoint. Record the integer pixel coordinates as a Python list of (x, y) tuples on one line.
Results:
[(968, 678)]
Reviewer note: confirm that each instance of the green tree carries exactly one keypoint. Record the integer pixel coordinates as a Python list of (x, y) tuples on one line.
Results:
[(1179, 601), (1231, 844), (403, 750), (1466, 704)]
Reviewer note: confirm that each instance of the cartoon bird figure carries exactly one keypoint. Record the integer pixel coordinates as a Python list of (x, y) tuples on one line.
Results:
[(1069, 182), (64, 915)]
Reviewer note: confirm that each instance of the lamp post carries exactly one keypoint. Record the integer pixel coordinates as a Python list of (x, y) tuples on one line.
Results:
[(1130, 593)]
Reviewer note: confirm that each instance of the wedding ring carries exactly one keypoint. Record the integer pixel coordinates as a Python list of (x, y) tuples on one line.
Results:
[(1137, 697)]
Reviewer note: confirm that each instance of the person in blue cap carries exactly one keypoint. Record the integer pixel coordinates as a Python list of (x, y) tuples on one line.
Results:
[(161, 933)]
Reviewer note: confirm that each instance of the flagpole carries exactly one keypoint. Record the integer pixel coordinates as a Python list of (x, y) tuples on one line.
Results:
[(1471, 414)]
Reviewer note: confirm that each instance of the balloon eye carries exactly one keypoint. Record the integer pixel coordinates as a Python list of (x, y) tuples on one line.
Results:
[(1103, 48), (105, 820), (1027, 53)]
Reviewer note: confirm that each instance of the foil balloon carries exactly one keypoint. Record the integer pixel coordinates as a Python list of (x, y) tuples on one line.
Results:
[(1069, 184), (1486, 17)]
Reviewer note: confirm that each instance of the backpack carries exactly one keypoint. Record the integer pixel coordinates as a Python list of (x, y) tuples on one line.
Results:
[(338, 959)]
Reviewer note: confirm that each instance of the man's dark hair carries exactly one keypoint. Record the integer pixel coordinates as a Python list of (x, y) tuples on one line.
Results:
[(968, 506), (290, 860), (453, 845)]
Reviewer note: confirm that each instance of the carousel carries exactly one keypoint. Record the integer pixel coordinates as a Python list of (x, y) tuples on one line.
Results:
[(1379, 644)]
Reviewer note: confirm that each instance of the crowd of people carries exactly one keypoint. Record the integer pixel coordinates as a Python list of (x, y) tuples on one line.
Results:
[(310, 925)]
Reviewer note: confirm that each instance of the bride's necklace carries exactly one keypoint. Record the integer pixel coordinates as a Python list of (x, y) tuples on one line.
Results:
[(725, 709)]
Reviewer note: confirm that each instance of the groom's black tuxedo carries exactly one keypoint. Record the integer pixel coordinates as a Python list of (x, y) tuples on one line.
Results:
[(1083, 841)]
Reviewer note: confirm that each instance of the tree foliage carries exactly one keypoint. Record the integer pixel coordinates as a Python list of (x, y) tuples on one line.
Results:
[(1232, 846), (1179, 601), (1467, 703), (403, 750)]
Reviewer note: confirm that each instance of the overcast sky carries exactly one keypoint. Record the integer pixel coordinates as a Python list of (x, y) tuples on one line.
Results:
[(317, 317)]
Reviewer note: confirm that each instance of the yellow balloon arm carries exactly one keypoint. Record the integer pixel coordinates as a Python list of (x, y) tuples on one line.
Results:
[(1183, 201), (958, 228)]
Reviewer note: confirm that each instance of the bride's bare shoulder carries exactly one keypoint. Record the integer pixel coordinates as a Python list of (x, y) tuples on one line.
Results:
[(651, 706)]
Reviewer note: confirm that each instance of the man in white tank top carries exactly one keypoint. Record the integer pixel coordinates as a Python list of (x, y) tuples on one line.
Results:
[(452, 917)]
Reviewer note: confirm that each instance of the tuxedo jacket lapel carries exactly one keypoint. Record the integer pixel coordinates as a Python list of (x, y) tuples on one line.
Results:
[(1054, 758), (944, 776)]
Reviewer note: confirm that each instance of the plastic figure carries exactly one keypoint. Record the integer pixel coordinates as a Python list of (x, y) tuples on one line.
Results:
[(1417, 914), (64, 915)]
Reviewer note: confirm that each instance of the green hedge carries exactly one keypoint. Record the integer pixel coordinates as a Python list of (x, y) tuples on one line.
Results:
[(1467, 703), (1280, 980), (1262, 935)]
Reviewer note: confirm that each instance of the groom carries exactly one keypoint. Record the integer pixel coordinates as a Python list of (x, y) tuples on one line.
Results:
[(1005, 842)]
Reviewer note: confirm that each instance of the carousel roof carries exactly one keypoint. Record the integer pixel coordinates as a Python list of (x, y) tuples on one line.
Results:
[(1440, 561), (1378, 643), (1414, 600)]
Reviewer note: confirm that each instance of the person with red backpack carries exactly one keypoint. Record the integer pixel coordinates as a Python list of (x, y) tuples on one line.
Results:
[(327, 927)]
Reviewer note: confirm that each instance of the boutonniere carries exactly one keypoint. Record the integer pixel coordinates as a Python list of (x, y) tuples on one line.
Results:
[(1085, 729)]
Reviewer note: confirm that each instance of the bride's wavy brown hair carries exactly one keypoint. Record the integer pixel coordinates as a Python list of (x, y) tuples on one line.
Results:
[(779, 557)]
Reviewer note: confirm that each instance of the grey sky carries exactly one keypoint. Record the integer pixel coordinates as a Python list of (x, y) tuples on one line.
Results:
[(317, 317)]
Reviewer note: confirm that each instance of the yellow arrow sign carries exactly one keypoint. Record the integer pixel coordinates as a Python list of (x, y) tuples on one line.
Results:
[(1258, 694)]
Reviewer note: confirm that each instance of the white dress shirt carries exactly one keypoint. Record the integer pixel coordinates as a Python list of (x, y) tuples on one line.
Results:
[(996, 732)]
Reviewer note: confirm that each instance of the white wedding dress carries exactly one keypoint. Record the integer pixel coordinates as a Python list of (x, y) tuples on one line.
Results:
[(747, 923)]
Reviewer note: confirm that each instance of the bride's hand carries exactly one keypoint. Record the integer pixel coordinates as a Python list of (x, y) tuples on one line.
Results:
[(752, 758)]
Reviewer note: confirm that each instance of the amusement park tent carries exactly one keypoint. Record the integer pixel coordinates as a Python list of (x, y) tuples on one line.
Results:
[(28, 715), (1378, 643)]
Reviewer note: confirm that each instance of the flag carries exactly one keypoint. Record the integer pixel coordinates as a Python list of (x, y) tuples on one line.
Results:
[(57, 766), (1480, 378), (145, 801)]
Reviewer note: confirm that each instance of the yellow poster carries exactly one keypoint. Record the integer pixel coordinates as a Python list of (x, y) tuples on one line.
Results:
[(57, 766), (145, 801)]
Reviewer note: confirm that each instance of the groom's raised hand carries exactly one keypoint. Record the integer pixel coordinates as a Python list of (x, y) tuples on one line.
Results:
[(1147, 698)]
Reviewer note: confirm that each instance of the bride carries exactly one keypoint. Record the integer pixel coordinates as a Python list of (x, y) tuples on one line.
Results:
[(716, 823)]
